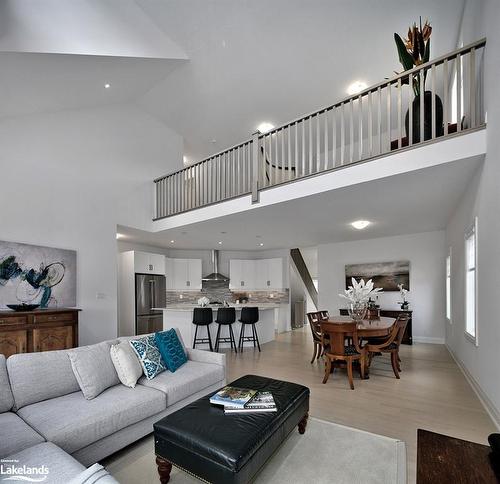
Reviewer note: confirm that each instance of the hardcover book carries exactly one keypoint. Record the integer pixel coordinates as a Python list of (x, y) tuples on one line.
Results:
[(233, 397), (261, 402)]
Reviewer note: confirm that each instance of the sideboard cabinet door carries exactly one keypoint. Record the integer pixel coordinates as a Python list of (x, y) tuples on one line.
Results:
[(12, 342), (47, 339)]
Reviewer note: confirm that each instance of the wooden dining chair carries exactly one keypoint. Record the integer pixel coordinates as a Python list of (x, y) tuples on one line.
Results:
[(338, 350), (324, 315), (391, 344), (314, 324)]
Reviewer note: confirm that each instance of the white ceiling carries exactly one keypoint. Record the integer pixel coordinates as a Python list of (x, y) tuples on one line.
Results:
[(249, 60), (261, 60), (414, 202)]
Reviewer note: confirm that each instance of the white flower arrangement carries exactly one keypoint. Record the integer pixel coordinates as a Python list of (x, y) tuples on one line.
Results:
[(403, 292), (360, 291), (203, 301)]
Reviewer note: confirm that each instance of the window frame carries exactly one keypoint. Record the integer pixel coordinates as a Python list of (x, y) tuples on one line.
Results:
[(449, 307), (471, 232)]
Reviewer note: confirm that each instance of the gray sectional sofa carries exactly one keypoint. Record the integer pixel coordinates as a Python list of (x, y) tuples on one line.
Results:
[(43, 409)]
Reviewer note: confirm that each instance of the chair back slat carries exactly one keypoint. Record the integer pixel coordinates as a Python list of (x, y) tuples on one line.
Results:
[(401, 324), (314, 320), (338, 334)]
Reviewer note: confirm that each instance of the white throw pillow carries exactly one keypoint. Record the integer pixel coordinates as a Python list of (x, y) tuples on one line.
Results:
[(126, 363)]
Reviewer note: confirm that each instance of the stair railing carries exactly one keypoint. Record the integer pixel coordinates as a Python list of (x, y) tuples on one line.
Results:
[(379, 120)]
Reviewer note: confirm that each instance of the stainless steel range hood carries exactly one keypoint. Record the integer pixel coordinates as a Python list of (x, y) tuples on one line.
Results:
[(215, 275)]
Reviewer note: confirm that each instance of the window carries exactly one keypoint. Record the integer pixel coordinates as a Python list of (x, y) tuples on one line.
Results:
[(448, 286), (471, 282)]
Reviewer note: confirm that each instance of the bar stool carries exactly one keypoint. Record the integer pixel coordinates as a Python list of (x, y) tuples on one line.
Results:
[(226, 317), (202, 317), (249, 316)]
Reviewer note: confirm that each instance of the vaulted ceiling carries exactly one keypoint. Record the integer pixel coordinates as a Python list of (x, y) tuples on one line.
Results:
[(212, 70)]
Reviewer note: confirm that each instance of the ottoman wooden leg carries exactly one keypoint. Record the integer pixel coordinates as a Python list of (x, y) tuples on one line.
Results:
[(303, 424), (164, 469)]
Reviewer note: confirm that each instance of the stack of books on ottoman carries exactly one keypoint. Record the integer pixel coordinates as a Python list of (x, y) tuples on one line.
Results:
[(243, 400)]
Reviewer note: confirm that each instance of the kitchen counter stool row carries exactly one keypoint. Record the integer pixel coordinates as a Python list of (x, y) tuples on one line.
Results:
[(226, 317)]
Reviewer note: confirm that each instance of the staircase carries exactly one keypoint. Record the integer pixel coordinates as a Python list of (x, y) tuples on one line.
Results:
[(303, 271)]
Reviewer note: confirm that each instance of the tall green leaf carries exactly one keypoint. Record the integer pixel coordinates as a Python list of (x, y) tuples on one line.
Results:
[(404, 57)]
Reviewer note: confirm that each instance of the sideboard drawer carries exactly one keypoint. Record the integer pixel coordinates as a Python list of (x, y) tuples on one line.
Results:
[(54, 317), (9, 320)]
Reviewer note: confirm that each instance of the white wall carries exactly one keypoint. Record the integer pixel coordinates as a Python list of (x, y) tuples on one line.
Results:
[(426, 253), (69, 178), (482, 200)]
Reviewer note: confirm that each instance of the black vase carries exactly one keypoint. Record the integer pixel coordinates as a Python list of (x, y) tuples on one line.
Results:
[(427, 117)]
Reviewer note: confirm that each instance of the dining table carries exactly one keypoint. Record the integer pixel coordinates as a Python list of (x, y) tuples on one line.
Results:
[(367, 328)]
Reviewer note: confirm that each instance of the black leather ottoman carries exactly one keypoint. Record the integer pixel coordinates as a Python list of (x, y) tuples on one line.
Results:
[(229, 448)]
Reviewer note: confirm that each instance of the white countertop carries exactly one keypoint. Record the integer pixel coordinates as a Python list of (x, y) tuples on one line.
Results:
[(190, 307)]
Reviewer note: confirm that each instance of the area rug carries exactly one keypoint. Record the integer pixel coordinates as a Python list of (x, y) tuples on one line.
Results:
[(326, 453)]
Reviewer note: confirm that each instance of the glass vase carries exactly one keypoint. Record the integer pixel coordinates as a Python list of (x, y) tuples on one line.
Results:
[(357, 311)]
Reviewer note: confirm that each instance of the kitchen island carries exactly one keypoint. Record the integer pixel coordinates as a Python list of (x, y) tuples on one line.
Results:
[(181, 316)]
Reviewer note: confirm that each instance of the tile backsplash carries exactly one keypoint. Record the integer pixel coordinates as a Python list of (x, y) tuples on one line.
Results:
[(219, 291)]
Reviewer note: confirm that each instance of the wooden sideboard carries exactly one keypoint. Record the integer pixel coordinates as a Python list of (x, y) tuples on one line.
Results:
[(393, 313), (39, 330)]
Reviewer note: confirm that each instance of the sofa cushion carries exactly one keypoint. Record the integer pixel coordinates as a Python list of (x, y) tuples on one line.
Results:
[(126, 363), (95, 474), (93, 369), (171, 349), (6, 398), (188, 379), (16, 434), (61, 467), (39, 376), (149, 356), (72, 422)]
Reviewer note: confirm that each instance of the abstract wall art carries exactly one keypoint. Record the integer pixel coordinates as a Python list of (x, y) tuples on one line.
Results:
[(386, 275), (33, 274)]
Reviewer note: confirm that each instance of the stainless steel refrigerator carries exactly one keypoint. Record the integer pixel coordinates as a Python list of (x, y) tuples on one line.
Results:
[(150, 292)]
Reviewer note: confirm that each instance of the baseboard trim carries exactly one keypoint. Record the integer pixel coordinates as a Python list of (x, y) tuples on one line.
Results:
[(488, 405), (425, 339)]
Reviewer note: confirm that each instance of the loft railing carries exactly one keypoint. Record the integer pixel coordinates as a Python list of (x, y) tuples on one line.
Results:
[(447, 93)]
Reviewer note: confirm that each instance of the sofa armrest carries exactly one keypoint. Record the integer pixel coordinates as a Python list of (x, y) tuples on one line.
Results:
[(206, 357)]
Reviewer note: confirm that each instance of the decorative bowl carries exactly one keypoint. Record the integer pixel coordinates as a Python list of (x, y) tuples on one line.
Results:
[(23, 307)]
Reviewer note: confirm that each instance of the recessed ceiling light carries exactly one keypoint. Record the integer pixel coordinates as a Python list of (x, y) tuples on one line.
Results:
[(265, 127), (223, 232), (261, 244), (220, 242), (360, 224), (107, 85), (356, 87), (172, 241), (119, 236)]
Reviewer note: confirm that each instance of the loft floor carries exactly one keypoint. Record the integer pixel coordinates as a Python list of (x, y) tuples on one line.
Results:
[(432, 393)]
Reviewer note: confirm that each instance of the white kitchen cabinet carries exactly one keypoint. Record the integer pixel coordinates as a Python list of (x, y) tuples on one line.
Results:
[(183, 274), (147, 263), (260, 274)]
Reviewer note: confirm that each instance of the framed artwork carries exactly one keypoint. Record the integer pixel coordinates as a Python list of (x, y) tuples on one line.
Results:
[(33, 274), (386, 275)]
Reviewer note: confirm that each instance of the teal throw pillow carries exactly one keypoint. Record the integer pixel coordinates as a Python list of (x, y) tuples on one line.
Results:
[(149, 357), (171, 349)]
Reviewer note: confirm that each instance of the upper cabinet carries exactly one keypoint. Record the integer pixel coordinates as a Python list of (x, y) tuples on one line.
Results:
[(146, 263), (260, 274), (183, 274)]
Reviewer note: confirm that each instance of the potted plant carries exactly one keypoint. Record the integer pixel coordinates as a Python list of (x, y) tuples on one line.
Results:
[(403, 293), (358, 296), (414, 51)]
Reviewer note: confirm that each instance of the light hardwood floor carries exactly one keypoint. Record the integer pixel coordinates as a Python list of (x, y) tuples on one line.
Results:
[(432, 393)]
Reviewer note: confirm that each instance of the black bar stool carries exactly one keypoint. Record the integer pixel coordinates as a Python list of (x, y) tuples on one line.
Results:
[(249, 316), (226, 317), (202, 317)]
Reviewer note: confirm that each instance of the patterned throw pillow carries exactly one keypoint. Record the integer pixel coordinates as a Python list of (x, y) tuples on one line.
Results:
[(149, 356), (171, 349)]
